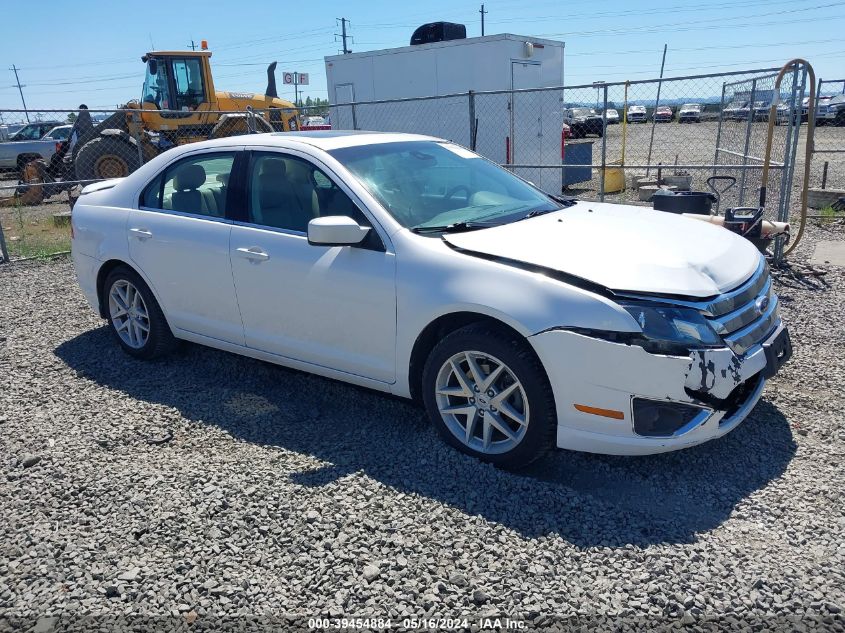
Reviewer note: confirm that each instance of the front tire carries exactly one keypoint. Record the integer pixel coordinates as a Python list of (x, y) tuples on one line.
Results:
[(106, 157), (488, 396), (135, 318)]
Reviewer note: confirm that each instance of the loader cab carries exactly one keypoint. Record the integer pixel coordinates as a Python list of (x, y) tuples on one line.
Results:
[(177, 84)]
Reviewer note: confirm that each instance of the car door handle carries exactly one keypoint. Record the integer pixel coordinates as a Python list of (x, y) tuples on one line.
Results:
[(141, 234), (253, 253)]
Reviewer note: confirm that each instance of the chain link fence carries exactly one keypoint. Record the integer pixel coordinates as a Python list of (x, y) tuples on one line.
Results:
[(617, 142), (829, 149)]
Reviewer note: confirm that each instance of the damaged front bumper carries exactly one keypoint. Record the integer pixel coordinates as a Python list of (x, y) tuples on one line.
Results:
[(716, 387)]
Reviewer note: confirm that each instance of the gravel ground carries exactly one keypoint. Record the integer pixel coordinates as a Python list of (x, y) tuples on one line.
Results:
[(209, 486)]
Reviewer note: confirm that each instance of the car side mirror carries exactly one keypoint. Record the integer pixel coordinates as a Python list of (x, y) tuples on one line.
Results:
[(335, 230)]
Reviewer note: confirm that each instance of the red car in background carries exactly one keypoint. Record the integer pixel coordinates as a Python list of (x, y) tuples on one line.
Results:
[(663, 114)]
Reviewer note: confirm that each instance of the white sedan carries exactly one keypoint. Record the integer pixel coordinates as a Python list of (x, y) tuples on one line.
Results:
[(413, 266)]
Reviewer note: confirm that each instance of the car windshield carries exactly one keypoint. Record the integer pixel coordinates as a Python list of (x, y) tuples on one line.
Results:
[(691, 106), (426, 185), (59, 133), (28, 133), (582, 111)]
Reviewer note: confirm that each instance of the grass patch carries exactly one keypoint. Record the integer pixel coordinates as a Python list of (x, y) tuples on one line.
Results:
[(28, 236), (829, 214)]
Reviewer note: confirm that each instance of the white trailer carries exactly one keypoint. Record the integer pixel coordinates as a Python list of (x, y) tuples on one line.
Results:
[(513, 128)]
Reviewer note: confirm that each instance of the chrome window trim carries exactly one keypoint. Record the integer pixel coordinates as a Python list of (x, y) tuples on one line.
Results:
[(187, 214), (271, 229)]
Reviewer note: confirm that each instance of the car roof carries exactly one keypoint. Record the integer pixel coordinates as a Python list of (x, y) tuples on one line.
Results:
[(323, 139)]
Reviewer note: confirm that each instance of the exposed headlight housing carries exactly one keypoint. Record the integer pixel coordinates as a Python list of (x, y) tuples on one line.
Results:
[(670, 329)]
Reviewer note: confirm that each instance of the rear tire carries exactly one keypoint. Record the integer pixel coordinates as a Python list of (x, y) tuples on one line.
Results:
[(135, 318), (509, 416)]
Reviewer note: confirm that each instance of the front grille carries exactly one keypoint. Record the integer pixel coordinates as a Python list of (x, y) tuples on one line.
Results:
[(744, 316)]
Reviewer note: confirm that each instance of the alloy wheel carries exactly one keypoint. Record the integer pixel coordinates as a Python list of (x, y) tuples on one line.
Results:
[(482, 402), (129, 314)]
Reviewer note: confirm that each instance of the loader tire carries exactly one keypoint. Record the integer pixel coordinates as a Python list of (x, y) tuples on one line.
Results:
[(106, 157), (237, 124)]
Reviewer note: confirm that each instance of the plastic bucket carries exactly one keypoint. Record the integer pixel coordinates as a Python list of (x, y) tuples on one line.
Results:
[(699, 202), (614, 178)]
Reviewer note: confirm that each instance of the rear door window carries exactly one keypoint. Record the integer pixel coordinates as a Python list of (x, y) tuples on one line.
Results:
[(197, 184)]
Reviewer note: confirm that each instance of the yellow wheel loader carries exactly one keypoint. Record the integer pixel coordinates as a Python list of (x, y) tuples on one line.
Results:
[(178, 105)]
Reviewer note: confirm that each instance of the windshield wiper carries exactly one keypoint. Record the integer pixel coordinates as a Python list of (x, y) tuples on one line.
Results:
[(566, 201), (537, 212), (456, 227)]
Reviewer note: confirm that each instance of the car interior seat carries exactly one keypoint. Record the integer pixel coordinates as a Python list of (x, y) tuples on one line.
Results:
[(187, 196), (274, 200), (301, 178)]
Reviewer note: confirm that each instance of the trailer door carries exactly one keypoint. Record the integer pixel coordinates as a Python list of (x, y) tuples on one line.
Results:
[(343, 117), (526, 118)]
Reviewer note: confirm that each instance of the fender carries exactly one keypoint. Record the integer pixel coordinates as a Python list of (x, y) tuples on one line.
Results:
[(120, 134)]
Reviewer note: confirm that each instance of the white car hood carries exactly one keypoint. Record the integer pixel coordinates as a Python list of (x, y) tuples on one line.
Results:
[(623, 248)]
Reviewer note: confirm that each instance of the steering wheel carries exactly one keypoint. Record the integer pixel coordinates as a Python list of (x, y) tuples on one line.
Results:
[(455, 190)]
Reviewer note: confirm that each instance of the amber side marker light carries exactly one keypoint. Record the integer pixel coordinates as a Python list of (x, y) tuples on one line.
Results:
[(606, 413)]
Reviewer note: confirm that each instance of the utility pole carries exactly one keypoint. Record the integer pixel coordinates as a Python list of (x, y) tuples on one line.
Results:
[(482, 12), (192, 45), (343, 35), (20, 89)]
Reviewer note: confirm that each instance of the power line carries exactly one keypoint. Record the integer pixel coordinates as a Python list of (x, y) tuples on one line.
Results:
[(674, 9), (663, 27), (700, 48)]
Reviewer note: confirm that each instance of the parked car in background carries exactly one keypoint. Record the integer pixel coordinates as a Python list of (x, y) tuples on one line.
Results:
[(413, 266), (32, 131), (314, 123), (822, 109), (783, 111), (14, 154), (761, 110), (583, 121), (636, 114), (611, 116), (735, 111), (690, 113), (836, 111), (59, 133), (823, 113), (663, 114)]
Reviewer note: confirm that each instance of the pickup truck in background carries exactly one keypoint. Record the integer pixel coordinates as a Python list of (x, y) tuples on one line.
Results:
[(17, 151)]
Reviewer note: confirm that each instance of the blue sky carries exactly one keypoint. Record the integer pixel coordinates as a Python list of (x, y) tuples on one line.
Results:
[(99, 60)]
